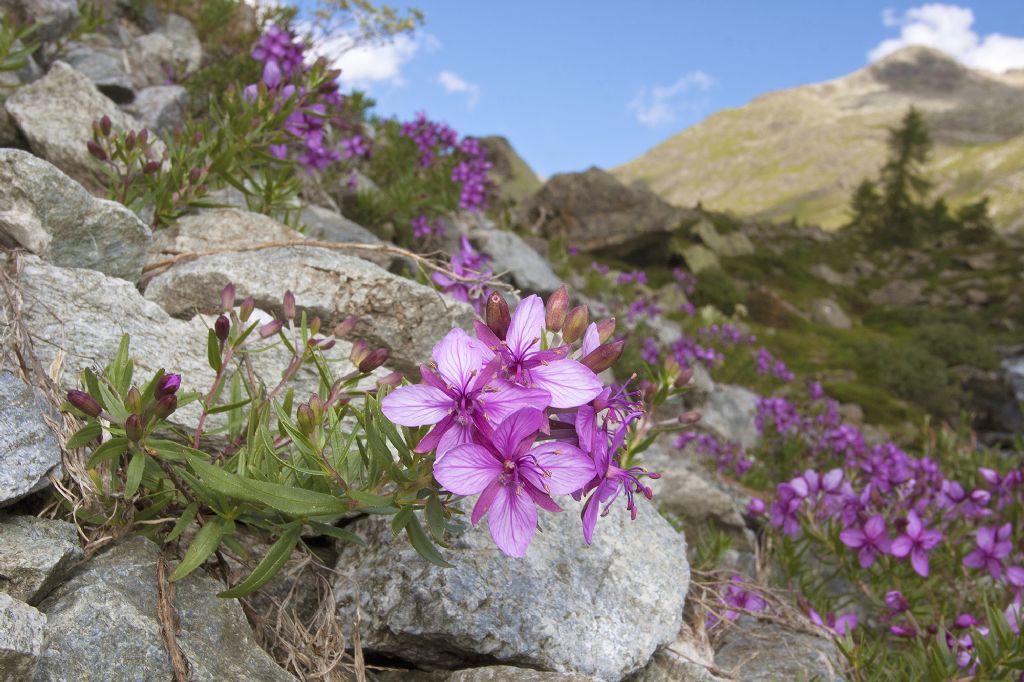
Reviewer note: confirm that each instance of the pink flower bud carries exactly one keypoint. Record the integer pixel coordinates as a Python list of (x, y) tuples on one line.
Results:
[(496, 314), (270, 328), (129, 140), (691, 417), (604, 356), (306, 419), (133, 401), (222, 327), (142, 138), (96, 150), (151, 167), (245, 310), (314, 326), (605, 329), (684, 377), (322, 343), (105, 125), (84, 402), (557, 305), (166, 406), (374, 360), (168, 385), (360, 349), (227, 297), (289, 305), (133, 428), (575, 323), (343, 328), (393, 379)]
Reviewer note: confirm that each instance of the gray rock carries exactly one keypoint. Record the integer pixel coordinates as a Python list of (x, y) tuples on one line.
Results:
[(757, 651), (514, 180), (688, 659), (44, 211), (525, 267), (35, 556), (53, 18), (728, 412), (105, 67), (407, 317), (731, 244), (80, 315), (898, 293), (188, 50), (826, 311), (28, 448), (564, 607), (161, 108), (102, 625), (699, 258), (323, 224), (21, 639), (830, 276), (56, 113), (218, 228), (505, 673), (152, 60)]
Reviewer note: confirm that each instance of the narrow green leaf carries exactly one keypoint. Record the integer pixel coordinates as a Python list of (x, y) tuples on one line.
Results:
[(203, 545), (422, 544), (269, 565), (434, 513), (133, 478), (368, 499), (230, 406), (183, 521), (400, 519), (213, 351), (108, 451), (113, 403), (338, 533), (85, 435)]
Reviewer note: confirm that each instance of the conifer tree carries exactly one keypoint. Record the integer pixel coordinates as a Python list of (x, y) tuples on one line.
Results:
[(903, 182)]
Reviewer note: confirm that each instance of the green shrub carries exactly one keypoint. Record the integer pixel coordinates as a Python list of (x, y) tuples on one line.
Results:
[(956, 344), (908, 372), (717, 289)]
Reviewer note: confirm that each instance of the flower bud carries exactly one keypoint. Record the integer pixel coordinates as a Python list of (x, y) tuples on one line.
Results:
[(227, 297), (314, 326), (322, 343), (151, 167), (554, 312), (270, 328), (316, 404), (129, 140), (343, 328), (96, 150), (168, 385), (691, 417), (393, 379), (105, 125), (306, 419), (84, 402), (166, 406), (575, 323), (142, 138), (374, 360), (194, 175), (289, 305), (684, 376), (133, 428), (133, 401), (360, 349), (604, 356), (605, 329), (895, 600), (496, 314), (245, 310), (222, 327)]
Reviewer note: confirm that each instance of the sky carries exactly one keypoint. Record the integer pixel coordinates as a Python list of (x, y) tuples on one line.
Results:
[(580, 83)]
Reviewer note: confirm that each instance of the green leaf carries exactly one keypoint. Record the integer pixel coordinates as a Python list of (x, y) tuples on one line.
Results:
[(203, 545), (400, 520), (213, 351), (187, 515), (85, 435), (109, 451), (434, 513), (133, 478), (230, 406), (121, 367), (368, 499), (422, 544), (113, 403), (269, 565), (335, 532)]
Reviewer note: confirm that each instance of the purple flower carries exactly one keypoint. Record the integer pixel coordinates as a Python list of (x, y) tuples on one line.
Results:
[(570, 383), (514, 477), (470, 265), (755, 507), (916, 542), (355, 146), (869, 541), (895, 600), (463, 393), (737, 597), (992, 545), (840, 626)]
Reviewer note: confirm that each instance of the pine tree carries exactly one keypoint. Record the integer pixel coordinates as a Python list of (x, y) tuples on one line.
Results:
[(904, 185)]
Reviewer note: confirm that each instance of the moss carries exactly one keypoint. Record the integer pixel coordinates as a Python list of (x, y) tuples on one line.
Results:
[(717, 289)]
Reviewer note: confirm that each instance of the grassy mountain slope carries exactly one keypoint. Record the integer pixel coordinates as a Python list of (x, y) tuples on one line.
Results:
[(799, 153)]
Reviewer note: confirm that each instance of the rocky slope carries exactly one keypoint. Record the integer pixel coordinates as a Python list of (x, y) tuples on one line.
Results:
[(799, 153)]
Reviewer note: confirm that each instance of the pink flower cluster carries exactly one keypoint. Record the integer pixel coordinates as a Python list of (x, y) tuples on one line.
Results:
[(435, 140)]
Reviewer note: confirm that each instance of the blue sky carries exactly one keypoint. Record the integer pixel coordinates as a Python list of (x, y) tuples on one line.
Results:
[(580, 83)]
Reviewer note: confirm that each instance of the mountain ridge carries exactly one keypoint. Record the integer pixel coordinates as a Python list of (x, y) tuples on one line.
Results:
[(799, 153)]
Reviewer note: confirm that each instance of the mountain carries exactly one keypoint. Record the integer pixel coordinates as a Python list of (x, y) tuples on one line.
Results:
[(799, 153)]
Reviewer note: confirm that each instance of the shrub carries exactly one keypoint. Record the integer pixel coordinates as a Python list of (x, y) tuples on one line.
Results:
[(717, 289), (957, 344)]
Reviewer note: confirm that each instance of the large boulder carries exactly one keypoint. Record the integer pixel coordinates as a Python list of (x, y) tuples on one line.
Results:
[(726, 244), (160, 108), (104, 66), (729, 412), (28, 448), (102, 625), (407, 317), (513, 178), (595, 212), (510, 254), (35, 556), (760, 651), (56, 114), (21, 639), (44, 211), (564, 607), (326, 225)]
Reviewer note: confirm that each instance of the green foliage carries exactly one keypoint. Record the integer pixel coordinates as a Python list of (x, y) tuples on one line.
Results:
[(956, 344), (908, 372), (16, 45), (715, 288)]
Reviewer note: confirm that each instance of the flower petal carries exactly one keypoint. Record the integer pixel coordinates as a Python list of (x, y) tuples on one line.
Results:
[(526, 326), (467, 469), (506, 398), (589, 517), (560, 468), (570, 383), (516, 428), (416, 405), (456, 435), (459, 357), (486, 499), (591, 340), (512, 520)]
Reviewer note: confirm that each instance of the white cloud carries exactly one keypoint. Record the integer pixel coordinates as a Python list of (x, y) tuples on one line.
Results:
[(661, 104), (949, 28), (364, 65), (454, 83)]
